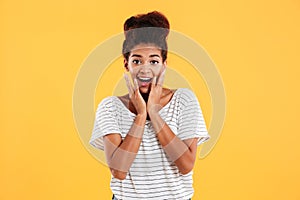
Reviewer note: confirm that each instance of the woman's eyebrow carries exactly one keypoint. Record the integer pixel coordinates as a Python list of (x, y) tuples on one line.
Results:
[(136, 55), (154, 55)]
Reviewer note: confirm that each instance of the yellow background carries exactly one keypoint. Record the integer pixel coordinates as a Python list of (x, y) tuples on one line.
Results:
[(255, 45)]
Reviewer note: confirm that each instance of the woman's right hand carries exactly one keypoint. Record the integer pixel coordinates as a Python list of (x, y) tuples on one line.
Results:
[(135, 96)]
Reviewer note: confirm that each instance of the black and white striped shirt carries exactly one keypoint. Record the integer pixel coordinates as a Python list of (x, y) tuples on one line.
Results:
[(152, 176)]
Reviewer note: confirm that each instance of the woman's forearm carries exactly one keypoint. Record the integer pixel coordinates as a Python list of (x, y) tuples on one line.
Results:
[(121, 153), (183, 153)]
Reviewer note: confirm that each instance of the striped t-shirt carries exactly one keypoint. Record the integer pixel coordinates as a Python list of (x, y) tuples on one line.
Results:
[(152, 176)]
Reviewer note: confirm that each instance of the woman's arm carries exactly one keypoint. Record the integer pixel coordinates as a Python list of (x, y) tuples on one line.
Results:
[(183, 153), (121, 153)]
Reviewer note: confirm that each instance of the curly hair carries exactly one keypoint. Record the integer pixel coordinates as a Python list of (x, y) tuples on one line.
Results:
[(150, 28)]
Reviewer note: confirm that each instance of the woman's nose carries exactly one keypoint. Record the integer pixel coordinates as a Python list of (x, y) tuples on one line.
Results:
[(145, 70)]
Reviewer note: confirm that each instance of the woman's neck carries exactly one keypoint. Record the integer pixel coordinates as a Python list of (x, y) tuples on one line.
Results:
[(145, 96)]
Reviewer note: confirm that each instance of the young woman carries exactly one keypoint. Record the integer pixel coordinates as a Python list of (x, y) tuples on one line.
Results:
[(149, 135)]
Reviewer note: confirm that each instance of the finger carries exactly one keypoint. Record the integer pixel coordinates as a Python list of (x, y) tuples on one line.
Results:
[(153, 82), (136, 85), (136, 88), (128, 84), (161, 78)]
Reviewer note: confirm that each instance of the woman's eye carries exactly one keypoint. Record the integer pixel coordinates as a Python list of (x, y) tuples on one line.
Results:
[(136, 61), (154, 62)]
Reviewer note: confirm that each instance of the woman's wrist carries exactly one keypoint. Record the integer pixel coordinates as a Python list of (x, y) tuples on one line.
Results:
[(140, 119), (153, 110), (153, 114), (157, 122)]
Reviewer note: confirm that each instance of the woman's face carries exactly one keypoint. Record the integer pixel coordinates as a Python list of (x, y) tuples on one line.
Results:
[(145, 62)]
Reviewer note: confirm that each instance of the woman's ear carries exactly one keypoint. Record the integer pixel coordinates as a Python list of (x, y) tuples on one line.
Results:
[(126, 65), (165, 63)]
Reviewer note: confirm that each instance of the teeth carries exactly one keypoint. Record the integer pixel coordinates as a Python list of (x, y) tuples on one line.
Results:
[(144, 79)]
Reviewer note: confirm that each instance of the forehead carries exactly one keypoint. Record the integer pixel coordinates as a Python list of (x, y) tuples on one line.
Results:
[(145, 50)]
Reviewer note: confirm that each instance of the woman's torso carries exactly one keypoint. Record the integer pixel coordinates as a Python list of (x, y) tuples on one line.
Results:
[(152, 175)]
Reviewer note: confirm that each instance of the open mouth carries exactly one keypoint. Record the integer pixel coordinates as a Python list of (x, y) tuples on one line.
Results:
[(144, 79)]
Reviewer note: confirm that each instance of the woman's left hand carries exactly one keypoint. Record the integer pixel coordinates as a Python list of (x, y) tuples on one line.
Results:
[(153, 104)]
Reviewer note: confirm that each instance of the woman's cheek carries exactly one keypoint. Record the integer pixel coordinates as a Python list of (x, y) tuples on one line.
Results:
[(157, 70)]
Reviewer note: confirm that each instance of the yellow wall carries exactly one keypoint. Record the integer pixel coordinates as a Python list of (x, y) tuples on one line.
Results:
[(255, 45)]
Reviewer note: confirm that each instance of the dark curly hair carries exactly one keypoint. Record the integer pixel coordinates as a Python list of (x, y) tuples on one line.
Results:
[(150, 28)]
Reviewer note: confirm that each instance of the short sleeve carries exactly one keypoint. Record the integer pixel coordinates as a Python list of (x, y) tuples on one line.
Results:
[(191, 122), (105, 122)]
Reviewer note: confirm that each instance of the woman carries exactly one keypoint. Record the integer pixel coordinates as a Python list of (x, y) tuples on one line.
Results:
[(149, 135)]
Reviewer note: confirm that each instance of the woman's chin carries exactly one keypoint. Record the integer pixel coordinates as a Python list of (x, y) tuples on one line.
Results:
[(144, 90)]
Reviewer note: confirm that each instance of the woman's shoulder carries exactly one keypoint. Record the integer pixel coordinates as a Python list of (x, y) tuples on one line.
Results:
[(186, 93), (109, 102), (114, 102)]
